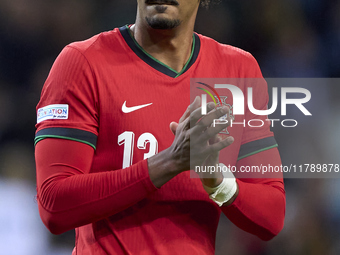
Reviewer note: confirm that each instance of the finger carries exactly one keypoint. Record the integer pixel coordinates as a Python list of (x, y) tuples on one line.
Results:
[(185, 115), (196, 115), (173, 127), (216, 114), (211, 133), (221, 145), (215, 139), (212, 118), (195, 104)]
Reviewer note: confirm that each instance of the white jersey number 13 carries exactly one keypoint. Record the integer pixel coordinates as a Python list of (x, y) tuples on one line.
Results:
[(127, 138)]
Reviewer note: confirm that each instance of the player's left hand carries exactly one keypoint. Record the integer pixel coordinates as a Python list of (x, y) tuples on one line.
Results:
[(208, 179)]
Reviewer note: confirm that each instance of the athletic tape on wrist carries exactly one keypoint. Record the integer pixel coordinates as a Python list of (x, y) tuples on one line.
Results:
[(225, 190)]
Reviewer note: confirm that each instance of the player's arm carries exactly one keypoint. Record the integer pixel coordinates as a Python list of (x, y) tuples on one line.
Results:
[(70, 196), (259, 207)]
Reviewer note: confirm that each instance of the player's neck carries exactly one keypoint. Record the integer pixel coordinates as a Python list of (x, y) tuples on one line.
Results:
[(171, 47)]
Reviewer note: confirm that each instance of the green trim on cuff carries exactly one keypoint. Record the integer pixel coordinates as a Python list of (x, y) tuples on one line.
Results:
[(42, 137), (255, 152)]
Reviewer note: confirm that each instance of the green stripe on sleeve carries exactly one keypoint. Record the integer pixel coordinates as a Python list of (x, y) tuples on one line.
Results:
[(256, 146), (42, 137), (252, 153), (68, 134)]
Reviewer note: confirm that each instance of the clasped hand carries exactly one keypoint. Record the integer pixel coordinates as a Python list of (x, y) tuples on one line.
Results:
[(197, 141)]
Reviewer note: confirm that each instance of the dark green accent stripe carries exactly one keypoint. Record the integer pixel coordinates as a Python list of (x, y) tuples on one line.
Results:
[(39, 138), (257, 146), (191, 54), (194, 54), (67, 133), (153, 62), (264, 149)]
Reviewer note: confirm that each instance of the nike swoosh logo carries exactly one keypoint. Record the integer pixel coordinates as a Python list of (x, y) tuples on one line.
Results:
[(126, 109)]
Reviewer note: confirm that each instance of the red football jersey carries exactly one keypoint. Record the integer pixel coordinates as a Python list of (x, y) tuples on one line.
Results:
[(110, 94)]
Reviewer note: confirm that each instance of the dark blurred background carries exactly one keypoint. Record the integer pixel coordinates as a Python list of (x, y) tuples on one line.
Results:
[(289, 38)]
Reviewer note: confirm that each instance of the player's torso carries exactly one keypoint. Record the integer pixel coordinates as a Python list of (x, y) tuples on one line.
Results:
[(137, 102)]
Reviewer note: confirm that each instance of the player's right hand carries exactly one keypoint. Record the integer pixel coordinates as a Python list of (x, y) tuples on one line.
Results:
[(191, 145)]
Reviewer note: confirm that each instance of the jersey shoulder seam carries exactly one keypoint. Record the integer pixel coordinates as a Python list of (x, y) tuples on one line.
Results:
[(86, 59)]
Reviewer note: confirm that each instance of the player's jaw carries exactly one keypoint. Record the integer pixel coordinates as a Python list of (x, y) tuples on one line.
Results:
[(166, 14), (161, 14)]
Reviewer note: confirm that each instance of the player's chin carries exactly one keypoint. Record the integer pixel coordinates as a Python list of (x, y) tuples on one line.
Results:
[(162, 21)]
